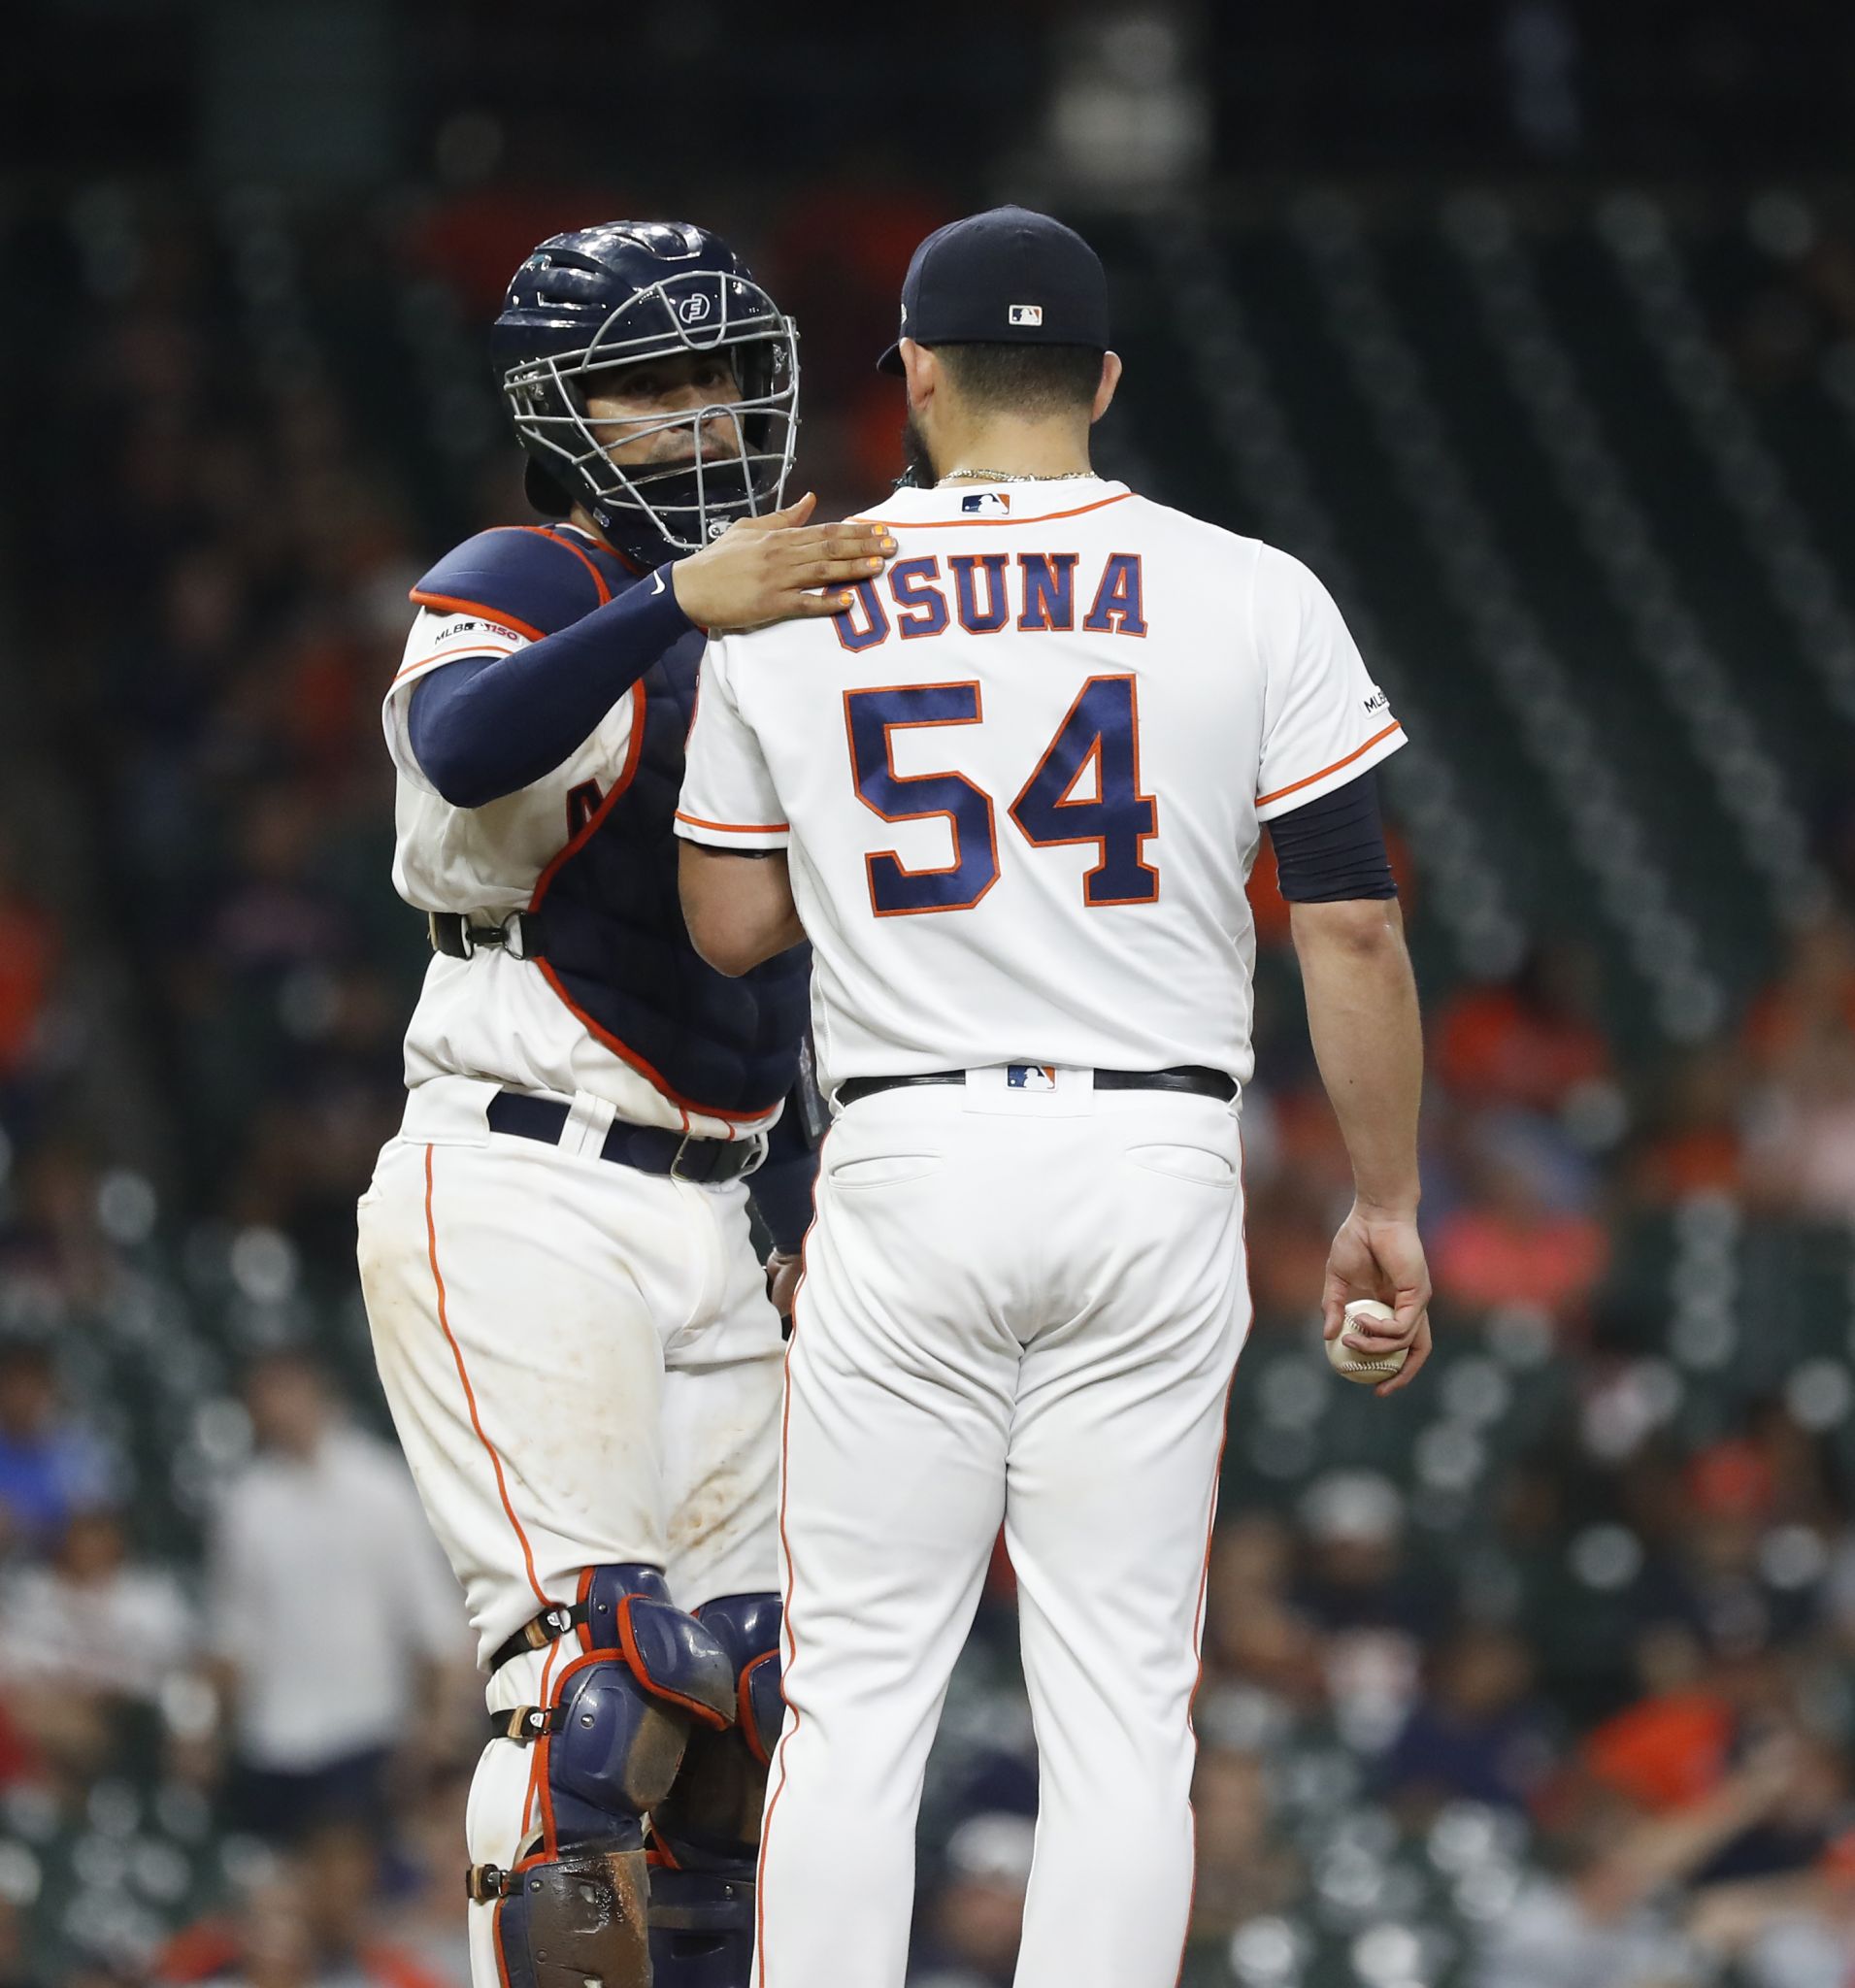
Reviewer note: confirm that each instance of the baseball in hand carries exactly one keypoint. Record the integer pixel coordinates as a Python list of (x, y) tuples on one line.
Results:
[(1368, 1368)]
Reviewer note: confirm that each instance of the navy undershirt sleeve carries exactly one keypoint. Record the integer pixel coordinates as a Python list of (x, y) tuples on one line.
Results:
[(1334, 847), (781, 1187), (486, 726)]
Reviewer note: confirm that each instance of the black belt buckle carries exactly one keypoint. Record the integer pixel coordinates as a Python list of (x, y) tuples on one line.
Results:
[(717, 1153), (453, 935)]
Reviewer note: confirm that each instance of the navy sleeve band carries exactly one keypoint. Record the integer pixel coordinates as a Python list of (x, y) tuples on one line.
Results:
[(1334, 847), (487, 726), (781, 1187)]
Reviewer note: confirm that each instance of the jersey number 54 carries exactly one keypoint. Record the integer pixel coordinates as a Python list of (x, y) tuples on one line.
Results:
[(1096, 748)]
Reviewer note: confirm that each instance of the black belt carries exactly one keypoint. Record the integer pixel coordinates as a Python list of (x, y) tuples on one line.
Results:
[(453, 935), (1194, 1078), (707, 1162)]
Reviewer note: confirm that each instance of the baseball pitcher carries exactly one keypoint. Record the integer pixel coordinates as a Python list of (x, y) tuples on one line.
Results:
[(1012, 795)]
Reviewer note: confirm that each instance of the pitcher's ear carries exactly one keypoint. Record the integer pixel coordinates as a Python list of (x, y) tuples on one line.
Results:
[(1110, 380)]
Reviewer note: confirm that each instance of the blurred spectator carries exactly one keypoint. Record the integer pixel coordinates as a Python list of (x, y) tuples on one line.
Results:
[(16, 1965), (1665, 1753), (49, 1465), (335, 1623), (1290, 1223), (1694, 1144), (1478, 1734), (1800, 1037), (1784, 1933), (313, 1921), (974, 1919), (1262, 1654), (1728, 1578), (1529, 1041), (1244, 1869), (91, 1619), (1806, 1829), (1606, 1915), (1356, 1583), (1802, 1149), (87, 1636), (28, 963), (53, 1252), (1510, 1241), (1811, 1001), (425, 1904)]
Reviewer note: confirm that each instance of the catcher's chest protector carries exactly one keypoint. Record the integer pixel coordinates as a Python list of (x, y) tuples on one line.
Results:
[(617, 951)]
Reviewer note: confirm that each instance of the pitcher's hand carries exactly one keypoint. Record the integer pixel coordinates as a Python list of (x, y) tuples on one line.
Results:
[(1379, 1254)]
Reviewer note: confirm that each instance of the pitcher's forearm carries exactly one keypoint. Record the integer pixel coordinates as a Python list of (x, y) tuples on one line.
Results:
[(1362, 1013)]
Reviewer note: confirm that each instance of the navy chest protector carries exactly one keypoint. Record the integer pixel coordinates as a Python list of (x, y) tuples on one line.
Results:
[(617, 952)]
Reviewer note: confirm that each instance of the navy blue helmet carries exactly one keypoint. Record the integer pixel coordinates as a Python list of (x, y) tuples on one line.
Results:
[(615, 295)]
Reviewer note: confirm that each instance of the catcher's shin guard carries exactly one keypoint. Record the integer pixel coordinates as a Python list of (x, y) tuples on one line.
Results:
[(705, 1835), (574, 1912)]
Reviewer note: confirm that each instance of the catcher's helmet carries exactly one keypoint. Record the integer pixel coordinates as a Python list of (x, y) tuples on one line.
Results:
[(627, 291)]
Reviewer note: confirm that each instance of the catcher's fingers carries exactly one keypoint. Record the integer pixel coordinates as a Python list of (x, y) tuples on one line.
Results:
[(838, 573), (832, 542), (795, 513), (809, 607)]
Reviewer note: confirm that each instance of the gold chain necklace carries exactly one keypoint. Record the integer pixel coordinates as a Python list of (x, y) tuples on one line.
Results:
[(1007, 476)]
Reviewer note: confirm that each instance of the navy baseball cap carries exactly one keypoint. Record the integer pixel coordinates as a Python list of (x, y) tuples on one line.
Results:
[(1004, 277)]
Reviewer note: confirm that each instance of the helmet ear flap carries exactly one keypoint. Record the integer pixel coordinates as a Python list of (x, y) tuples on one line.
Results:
[(542, 492)]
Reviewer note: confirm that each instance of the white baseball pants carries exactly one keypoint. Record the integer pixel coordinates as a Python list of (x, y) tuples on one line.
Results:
[(584, 1370), (1026, 1309)]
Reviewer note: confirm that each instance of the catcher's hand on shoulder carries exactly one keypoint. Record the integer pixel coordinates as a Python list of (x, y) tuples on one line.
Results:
[(763, 570)]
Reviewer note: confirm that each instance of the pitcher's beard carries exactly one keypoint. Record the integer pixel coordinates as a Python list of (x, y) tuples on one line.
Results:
[(917, 465)]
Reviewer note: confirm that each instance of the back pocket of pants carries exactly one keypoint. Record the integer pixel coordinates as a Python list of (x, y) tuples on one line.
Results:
[(885, 1170), (1185, 1163)]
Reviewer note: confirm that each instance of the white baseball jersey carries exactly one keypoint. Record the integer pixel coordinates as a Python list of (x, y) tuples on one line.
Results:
[(495, 1016), (1021, 780)]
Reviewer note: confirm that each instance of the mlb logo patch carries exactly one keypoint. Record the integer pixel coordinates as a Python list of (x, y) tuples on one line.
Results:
[(1030, 1077), (1026, 314), (984, 503)]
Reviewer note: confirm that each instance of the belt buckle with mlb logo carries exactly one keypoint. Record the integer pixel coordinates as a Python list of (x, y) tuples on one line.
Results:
[(1030, 1077)]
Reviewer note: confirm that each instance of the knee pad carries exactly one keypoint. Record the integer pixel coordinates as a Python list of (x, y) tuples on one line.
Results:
[(705, 1834), (748, 1628), (608, 1746), (710, 1817)]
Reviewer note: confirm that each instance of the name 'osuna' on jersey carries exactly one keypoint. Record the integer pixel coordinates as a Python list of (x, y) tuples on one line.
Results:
[(1021, 780)]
